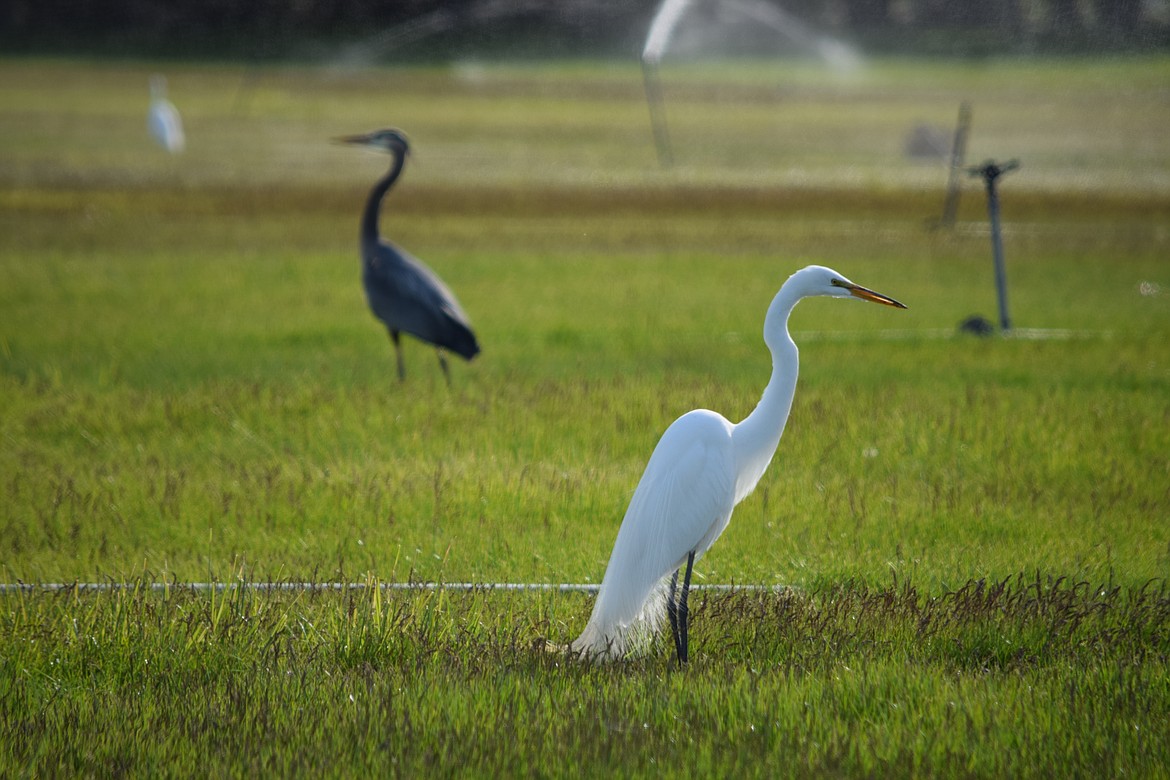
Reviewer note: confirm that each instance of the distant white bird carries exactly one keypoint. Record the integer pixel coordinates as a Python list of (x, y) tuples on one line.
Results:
[(702, 467), (166, 127)]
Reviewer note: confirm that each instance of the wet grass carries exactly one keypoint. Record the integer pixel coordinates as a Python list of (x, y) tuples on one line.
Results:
[(192, 390)]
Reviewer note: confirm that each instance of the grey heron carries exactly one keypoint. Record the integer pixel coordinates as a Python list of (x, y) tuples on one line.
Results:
[(406, 295)]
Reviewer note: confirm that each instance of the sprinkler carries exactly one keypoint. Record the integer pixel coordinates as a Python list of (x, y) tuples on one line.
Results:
[(760, 13), (990, 171)]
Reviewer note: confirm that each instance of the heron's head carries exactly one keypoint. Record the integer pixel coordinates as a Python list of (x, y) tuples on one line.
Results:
[(388, 140), (818, 280)]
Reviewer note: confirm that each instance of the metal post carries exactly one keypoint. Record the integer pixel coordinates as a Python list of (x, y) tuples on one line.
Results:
[(990, 171), (657, 112), (958, 153)]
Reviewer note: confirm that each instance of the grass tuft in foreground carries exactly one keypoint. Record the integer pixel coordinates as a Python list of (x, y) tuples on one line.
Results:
[(1027, 676)]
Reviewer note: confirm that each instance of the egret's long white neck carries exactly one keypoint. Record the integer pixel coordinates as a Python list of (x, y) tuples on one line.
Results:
[(756, 437)]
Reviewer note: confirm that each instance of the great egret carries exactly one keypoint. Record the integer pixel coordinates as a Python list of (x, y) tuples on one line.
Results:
[(163, 118), (404, 293), (702, 467)]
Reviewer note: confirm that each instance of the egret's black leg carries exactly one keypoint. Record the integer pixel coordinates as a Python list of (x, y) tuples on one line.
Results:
[(672, 612), (443, 365), (398, 355), (684, 620)]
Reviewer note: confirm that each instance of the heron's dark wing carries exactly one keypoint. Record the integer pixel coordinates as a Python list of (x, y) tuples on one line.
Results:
[(408, 296)]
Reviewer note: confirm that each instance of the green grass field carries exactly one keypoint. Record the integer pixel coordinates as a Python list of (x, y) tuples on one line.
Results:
[(192, 390)]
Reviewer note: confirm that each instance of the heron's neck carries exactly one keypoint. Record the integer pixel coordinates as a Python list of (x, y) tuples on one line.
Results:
[(756, 437), (374, 204)]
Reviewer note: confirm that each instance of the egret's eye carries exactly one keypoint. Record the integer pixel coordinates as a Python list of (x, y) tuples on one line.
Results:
[(836, 282)]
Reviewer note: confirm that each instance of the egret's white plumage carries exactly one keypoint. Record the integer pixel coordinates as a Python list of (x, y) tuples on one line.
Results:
[(701, 468), (166, 127)]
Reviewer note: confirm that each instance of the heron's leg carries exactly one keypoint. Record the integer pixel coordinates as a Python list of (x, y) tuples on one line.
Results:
[(398, 355), (672, 612), (684, 621), (443, 365)]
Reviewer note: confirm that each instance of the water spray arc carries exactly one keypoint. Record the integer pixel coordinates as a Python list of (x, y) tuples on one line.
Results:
[(759, 13), (437, 22), (834, 53)]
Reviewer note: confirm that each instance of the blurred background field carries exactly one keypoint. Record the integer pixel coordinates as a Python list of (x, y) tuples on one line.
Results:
[(1079, 125), (194, 388)]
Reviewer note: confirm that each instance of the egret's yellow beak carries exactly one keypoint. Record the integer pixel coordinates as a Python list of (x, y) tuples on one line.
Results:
[(865, 294), (869, 295)]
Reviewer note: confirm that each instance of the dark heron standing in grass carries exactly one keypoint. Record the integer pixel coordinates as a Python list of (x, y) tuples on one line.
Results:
[(402, 292)]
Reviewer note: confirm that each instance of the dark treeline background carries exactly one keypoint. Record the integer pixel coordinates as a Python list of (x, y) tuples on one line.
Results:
[(422, 30)]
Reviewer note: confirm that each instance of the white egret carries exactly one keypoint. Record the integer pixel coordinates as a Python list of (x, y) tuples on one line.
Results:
[(702, 467), (166, 127)]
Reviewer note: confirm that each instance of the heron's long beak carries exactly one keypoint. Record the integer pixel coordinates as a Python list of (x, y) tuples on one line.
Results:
[(865, 294), (360, 140)]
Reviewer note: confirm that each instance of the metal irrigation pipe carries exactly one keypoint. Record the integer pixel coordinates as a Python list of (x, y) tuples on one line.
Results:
[(219, 587)]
